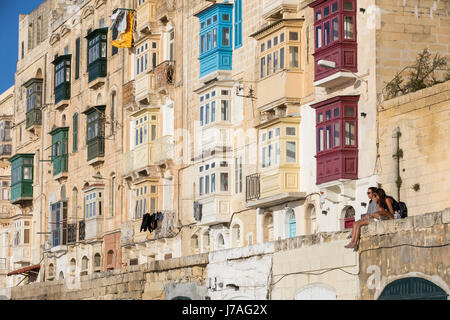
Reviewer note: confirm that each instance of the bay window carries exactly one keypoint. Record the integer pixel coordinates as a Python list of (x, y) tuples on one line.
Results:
[(95, 132), (208, 102), (33, 89), (335, 35), (62, 78), (142, 58), (97, 53), (337, 143)]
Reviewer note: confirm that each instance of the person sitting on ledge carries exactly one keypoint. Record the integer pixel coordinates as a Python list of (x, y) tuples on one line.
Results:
[(385, 212)]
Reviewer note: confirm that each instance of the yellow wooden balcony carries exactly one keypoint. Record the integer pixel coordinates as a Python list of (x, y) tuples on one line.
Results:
[(146, 17), (283, 87), (21, 254), (138, 159), (144, 86)]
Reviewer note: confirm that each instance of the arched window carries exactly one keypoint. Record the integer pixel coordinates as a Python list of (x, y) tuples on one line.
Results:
[(236, 235), (220, 241), (310, 218), (63, 120), (51, 270), (291, 225), (97, 262), (110, 258), (61, 276), (74, 203), (194, 244), (73, 266), (84, 266), (205, 242), (99, 99), (268, 227), (112, 113), (349, 217)]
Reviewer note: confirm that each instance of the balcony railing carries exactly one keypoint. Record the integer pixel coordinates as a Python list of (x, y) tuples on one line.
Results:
[(166, 226), (72, 233), (34, 118), (164, 74), (253, 187), (81, 230)]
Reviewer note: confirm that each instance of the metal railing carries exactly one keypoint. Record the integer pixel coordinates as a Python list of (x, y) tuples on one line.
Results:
[(72, 233), (253, 191), (164, 73)]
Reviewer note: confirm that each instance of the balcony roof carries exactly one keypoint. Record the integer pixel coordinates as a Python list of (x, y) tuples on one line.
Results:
[(276, 200), (25, 270), (281, 23)]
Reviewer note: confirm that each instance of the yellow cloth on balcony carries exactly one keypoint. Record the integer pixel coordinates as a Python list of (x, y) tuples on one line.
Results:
[(126, 39)]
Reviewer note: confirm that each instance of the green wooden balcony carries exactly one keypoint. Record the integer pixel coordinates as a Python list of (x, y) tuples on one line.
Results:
[(97, 53), (34, 118), (60, 156), (96, 148), (21, 178)]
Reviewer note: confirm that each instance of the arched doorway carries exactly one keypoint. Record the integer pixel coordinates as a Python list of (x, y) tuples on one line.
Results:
[(316, 291), (412, 288)]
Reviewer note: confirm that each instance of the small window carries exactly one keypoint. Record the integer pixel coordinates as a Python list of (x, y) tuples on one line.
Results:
[(263, 137), (269, 44), (282, 37), (326, 11), (318, 15), (348, 28), (336, 112), (208, 22), (263, 47), (349, 112), (226, 17), (226, 37), (277, 132), (290, 131), (293, 36), (275, 41), (348, 5), (335, 7), (328, 115), (214, 19), (291, 152)]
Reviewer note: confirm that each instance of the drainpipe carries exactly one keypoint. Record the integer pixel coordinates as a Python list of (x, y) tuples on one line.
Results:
[(396, 161)]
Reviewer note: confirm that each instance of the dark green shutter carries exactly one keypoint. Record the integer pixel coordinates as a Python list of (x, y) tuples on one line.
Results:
[(77, 58), (75, 132)]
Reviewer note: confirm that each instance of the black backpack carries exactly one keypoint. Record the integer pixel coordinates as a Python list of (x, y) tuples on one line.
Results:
[(399, 207)]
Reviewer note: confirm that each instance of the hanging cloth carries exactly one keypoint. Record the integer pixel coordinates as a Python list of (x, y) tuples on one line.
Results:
[(125, 38)]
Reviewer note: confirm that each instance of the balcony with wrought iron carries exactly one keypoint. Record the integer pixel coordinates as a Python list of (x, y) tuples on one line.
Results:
[(163, 150), (146, 17), (164, 76)]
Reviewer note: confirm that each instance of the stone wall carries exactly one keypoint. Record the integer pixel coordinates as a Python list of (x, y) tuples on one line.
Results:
[(395, 249), (423, 118), (315, 266)]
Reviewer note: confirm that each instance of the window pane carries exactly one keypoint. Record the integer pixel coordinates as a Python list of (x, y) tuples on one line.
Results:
[(335, 29), (263, 46), (348, 5), (208, 41), (269, 63), (263, 67), (225, 110), (328, 115), (337, 141), (320, 117), (348, 28), (277, 153), (350, 133), (318, 15), (263, 157), (282, 58), (282, 37), (291, 152), (334, 7), (224, 181), (275, 41), (213, 111), (153, 137), (328, 138), (207, 114), (290, 131), (201, 185), (269, 44), (226, 37), (293, 57), (326, 11), (201, 116), (326, 31), (318, 37), (275, 61), (214, 38), (27, 173), (293, 36), (320, 137), (213, 182), (269, 153), (336, 112), (206, 184), (349, 112)]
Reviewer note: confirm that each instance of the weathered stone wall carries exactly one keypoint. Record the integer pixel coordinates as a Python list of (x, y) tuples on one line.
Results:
[(423, 118), (412, 247)]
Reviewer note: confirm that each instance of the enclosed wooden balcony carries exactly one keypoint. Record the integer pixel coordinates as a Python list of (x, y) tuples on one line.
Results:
[(145, 86), (21, 254), (163, 150), (138, 161), (146, 17), (216, 208), (273, 9)]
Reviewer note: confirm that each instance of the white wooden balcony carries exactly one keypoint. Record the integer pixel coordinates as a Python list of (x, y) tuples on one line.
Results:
[(138, 159), (21, 254), (164, 150), (273, 7), (94, 228)]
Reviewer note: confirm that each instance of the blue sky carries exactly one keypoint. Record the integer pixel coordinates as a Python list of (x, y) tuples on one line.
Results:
[(9, 26)]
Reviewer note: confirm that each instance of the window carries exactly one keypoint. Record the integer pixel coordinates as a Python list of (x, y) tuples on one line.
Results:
[(113, 111), (269, 63), (172, 45), (348, 28), (115, 34), (93, 204), (293, 36), (293, 57), (77, 58), (224, 110), (141, 130), (75, 132), (58, 223), (238, 174), (112, 196), (263, 67), (224, 181), (226, 37), (146, 200), (291, 152), (142, 58)]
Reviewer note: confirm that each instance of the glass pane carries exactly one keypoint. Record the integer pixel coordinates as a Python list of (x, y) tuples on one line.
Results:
[(202, 44), (293, 57), (350, 133), (275, 61), (349, 112), (326, 11), (348, 5), (328, 115), (275, 41), (335, 29), (224, 110), (153, 137), (337, 129), (318, 15), (318, 37), (27, 173), (320, 117), (336, 112), (328, 138), (208, 41), (290, 131), (291, 151), (224, 181), (213, 182), (326, 33), (201, 116), (269, 44), (282, 58), (263, 47), (226, 37), (269, 153), (263, 157), (214, 38), (335, 7), (348, 28), (282, 37), (213, 111), (293, 36), (320, 137), (207, 114), (269, 63), (263, 67)]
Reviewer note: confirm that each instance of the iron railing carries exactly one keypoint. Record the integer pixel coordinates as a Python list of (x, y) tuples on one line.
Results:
[(81, 230), (164, 73), (253, 191), (72, 233)]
